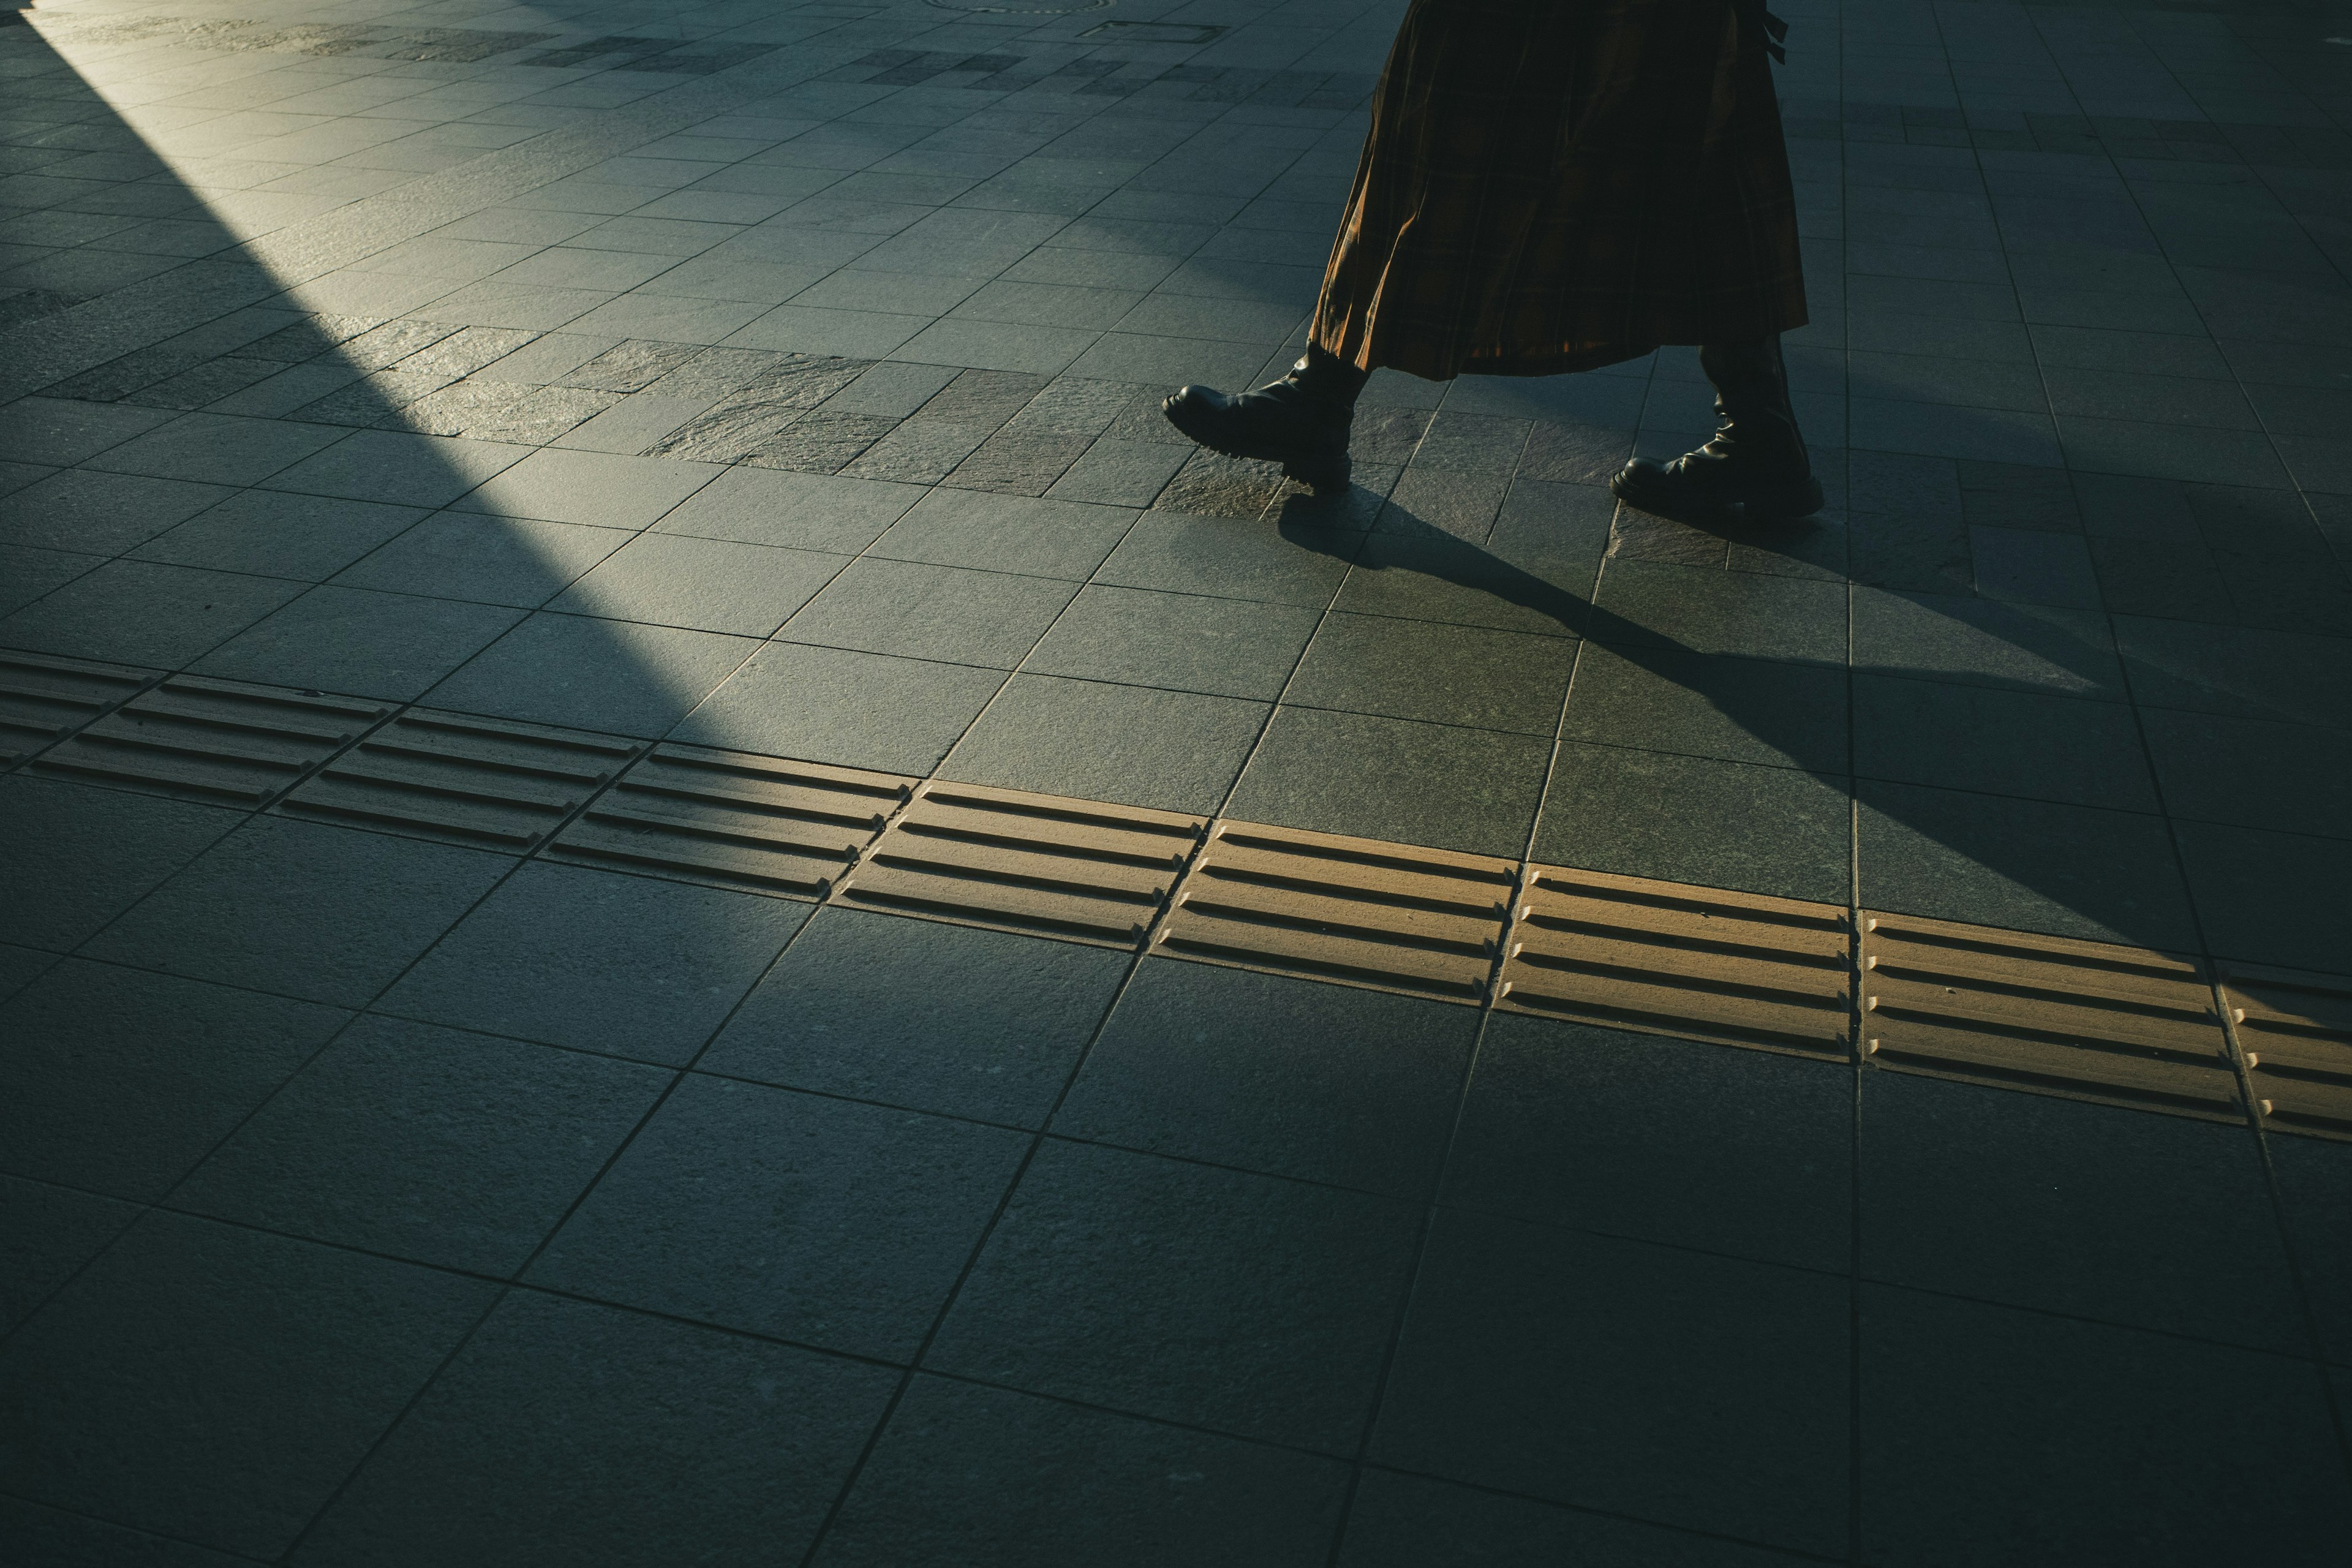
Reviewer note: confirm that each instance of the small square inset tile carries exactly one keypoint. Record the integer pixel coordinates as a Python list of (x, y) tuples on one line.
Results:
[(1409, 782), (600, 489), (120, 1082), (75, 857), (2025, 865), (1171, 751), (1007, 534), (432, 1145), (370, 645), (1021, 1482), (1701, 820), (1987, 1431), (576, 671), (1182, 642), (943, 612), (708, 584), (634, 966), (1242, 1303), (576, 1432), (1292, 1077), (216, 1385), (2088, 1211), (302, 910), (1736, 1152), (1439, 674), (399, 468), (1706, 1392), (944, 1018), (141, 613), (889, 1204), (835, 705)]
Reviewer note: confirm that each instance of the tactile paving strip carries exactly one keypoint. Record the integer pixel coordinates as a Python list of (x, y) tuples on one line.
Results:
[(2087, 1020), (1027, 862), (214, 740), (44, 700), (2295, 1031), (468, 780), (1738, 968), (736, 819), (1358, 909)]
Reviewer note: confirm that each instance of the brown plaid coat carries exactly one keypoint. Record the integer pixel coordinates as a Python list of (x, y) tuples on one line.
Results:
[(1554, 184)]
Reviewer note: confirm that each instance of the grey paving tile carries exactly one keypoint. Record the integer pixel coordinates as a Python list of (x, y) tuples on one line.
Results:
[(1533, 573), (2292, 778), (2026, 865), (1181, 552), (141, 613), (943, 612), (53, 1536), (2025, 744), (1718, 823), (1396, 779), (1401, 1522), (78, 857), (1007, 534), (1181, 642), (1291, 1078), (600, 488), (709, 585), (122, 1081), (2031, 567), (47, 1234), (398, 467), (618, 676), (1242, 1303), (2314, 1181), (2030, 648), (1742, 1152), (574, 1432), (2272, 897), (1015, 1480), (100, 514), (28, 574), (519, 562), (806, 512), (371, 645), (889, 1205), (1987, 1431), (1710, 1392), (216, 1383), (2170, 451), (631, 965), (1441, 674), (20, 967), (833, 705), (65, 431), (1171, 751), (272, 534), (944, 1018), (435, 1145), (1703, 705), (2283, 676), (301, 909), (216, 448), (1664, 606)]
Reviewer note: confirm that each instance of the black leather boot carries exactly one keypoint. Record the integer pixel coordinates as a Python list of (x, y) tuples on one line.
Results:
[(1756, 462), (1300, 421)]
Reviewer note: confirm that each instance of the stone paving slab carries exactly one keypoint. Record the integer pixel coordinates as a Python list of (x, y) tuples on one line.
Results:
[(781, 379)]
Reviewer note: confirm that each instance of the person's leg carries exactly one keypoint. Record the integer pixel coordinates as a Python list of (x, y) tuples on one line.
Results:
[(1301, 421), (1756, 460)]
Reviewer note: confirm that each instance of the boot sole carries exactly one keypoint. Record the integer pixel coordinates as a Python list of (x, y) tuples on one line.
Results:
[(1322, 475), (1790, 504)]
